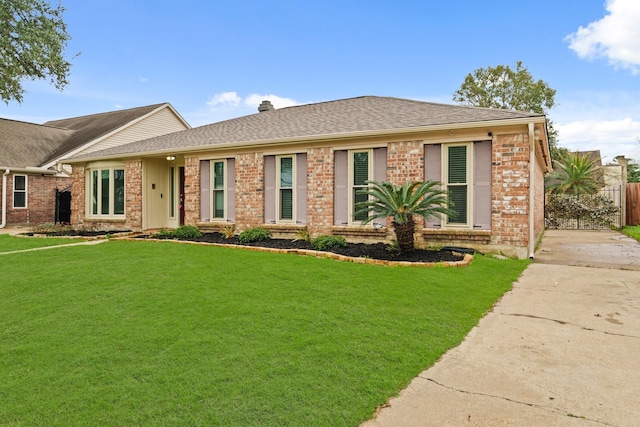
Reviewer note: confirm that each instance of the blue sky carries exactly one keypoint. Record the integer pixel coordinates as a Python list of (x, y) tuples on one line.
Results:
[(214, 60)]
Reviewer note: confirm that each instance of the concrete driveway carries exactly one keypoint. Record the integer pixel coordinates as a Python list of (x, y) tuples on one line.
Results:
[(561, 349)]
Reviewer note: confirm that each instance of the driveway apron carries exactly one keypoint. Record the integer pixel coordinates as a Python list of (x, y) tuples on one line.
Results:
[(562, 348)]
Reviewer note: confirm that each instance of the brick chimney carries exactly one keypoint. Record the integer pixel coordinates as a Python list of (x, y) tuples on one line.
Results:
[(265, 106)]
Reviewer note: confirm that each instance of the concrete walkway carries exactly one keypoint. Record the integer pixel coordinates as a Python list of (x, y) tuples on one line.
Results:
[(561, 349)]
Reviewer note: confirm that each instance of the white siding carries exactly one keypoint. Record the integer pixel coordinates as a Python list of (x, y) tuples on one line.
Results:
[(159, 123)]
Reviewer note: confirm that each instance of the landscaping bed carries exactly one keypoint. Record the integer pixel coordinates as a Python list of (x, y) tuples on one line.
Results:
[(380, 251)]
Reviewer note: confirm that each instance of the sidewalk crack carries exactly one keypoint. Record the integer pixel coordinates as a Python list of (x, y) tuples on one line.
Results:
[(562, 322), (531, 405)]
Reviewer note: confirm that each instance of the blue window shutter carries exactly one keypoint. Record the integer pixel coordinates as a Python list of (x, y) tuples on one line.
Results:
[(270, 189), (341, 190), (301, 188), (204, 190), (482, 185)]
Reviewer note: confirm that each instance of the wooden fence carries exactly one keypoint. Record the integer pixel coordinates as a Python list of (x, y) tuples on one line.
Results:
[(633, 203)]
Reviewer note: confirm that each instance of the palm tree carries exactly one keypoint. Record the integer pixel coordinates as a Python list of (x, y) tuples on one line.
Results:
[(575, 174), (424, 199)]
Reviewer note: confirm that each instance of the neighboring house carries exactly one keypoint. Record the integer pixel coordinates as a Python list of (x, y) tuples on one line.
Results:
[(290, 168), (30, 155)]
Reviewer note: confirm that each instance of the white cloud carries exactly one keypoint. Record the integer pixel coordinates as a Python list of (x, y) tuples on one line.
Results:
[(255, 99), (143, 79), (616, 36), (611, 137), (226, 99)]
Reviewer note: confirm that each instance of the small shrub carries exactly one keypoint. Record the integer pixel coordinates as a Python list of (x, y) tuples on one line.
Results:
[(305, 234), (228, 231), (186, 232), (324, 243), (255, 234), (163, 234)]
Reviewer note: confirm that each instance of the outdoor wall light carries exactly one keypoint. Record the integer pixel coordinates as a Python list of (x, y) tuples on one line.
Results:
[(171, 158)]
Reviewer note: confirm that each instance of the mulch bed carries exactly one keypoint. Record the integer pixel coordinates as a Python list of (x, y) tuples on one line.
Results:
[(379, 251)]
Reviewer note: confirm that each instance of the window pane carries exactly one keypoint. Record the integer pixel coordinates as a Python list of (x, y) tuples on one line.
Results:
[(104, 196), (20, 183), (118, 191), (286, 172), (94, 192), (360, 168), (172, 192), (457, 165), (218, 175), (458, 195), (286, 204), (357, 198), (20, 200), (218, 204)]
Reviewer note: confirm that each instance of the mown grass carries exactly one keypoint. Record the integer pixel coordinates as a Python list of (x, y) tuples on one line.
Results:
[(632, 231), (160, 333), (12, 243)]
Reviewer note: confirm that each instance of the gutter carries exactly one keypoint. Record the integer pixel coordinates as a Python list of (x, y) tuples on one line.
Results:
[(532, 166), (4, 198)]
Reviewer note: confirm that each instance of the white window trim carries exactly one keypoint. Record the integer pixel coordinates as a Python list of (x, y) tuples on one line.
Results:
[(468, 225), (279, 220), (88, 205), (212, 185), (25, 191), (350, 186)]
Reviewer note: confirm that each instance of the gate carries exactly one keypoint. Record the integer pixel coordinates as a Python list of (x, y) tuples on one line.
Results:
[(63, 206), (600, 211), (633, 203)]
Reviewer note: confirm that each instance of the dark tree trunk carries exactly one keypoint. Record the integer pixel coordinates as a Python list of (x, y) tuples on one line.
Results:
[(404, 235)]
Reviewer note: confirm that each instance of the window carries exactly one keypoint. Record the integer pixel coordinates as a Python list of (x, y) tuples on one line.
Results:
[(107, 192), (360, 172), (285, 192), (457, 179), (172, 192), (218, 208), (19, 191)]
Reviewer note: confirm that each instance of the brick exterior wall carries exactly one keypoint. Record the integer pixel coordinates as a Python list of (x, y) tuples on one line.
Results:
[(320, 182), (510, 191), (133, 194), (41, 199), (405, 162), (78, 194), (539, 201), (191, 203), (249, 190)]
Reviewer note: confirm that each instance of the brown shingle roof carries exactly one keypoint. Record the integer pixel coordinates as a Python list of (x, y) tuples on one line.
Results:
[(94, 126), (31, 145), (25, 145), (353, 115)]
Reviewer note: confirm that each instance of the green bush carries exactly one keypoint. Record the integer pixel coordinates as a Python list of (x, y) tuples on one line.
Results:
[(256, 234), (186, 232), (324, 243), (597, 209)]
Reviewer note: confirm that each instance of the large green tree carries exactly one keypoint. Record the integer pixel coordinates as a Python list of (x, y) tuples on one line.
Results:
[(513, 89), (33, 39)]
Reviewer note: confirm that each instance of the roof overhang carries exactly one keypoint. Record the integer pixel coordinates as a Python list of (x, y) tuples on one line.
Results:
[(28, 170), (318, 138)]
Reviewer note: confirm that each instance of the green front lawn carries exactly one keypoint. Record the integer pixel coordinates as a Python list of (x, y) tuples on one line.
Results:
[(12, 243), (161, 333), (632, 231)]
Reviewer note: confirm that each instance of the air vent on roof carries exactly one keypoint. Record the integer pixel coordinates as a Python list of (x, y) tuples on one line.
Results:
[(265, 106)]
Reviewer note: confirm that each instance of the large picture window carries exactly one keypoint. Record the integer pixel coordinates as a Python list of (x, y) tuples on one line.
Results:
[(19, 191), (107, 192)]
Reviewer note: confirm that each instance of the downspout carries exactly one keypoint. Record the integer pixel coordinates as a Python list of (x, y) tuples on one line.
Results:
[(4, 198), (532, 194)]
